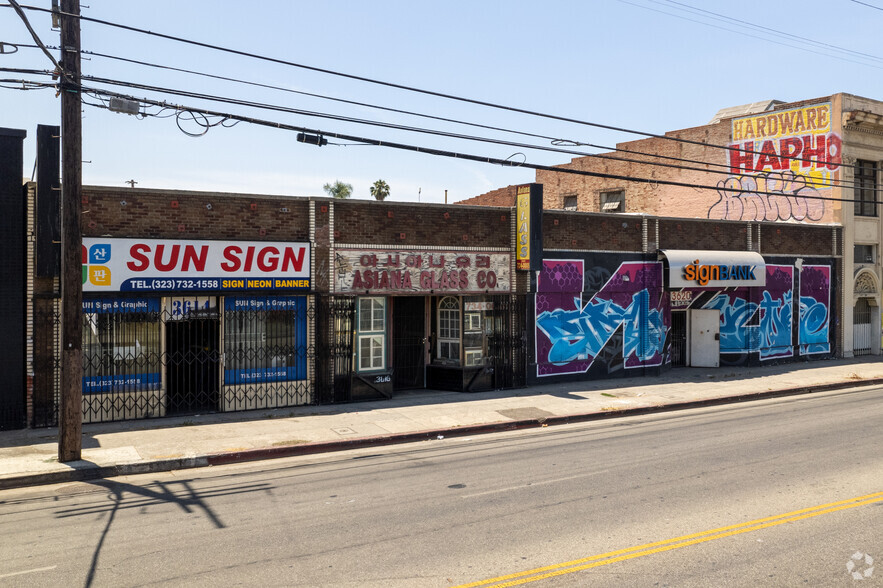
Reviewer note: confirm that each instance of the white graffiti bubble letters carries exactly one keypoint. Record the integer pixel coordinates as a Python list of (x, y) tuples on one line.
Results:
[(771, 196)]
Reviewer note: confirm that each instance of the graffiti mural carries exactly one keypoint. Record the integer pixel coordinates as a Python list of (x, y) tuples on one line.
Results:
[(781, 163), (746, 198), (815, 309), (571, 334), (762, 325)]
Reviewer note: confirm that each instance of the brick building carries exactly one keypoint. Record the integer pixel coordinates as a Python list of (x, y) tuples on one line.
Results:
[(202, 301), (788, 163)]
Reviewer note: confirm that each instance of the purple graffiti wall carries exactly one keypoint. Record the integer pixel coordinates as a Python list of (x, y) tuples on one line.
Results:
[(815, 309), (571, 333)]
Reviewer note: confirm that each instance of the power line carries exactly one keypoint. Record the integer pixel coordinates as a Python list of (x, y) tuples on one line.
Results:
[(725, 18), (554, 140), (340, 118), (450, 154), (868, 5), (15, 6), (768, 40), (395, 85), (202, 96)]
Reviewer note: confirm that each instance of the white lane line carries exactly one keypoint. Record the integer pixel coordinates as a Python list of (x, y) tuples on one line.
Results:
[(532, 484), (28, 572)]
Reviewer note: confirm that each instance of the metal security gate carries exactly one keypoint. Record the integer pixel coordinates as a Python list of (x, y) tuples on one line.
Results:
[(507, 344), (142, 361), (193, 357), (45, 363), (862, 331), (679, 339), (409, 342), (334, 338)]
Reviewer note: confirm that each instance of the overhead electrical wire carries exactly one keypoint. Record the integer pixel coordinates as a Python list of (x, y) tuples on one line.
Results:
[(557, 141), (385, 83), (868, 5), (350, 119), (240, 102), (724, 18), (446, 134), (443, 153)]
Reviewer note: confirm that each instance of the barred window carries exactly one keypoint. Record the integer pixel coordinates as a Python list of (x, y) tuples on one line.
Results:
[(865, 188), (449, 329), (121, 345), (265, 339), (372, 334)]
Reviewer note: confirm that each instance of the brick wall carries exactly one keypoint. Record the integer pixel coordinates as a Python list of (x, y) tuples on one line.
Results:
[(499, 197), (697, 234), (796, 239), (602, 232), (382, 223), (647, 196), (173, 214)]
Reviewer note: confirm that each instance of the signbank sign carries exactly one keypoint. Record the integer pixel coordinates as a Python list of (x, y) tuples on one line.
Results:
[(167, 265), (714, 269)]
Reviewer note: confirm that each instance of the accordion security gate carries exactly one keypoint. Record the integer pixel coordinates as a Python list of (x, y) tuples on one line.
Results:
[(161, 360)]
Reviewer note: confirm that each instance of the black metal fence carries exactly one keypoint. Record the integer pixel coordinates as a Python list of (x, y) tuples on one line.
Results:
[(507, 344), (334, 335)]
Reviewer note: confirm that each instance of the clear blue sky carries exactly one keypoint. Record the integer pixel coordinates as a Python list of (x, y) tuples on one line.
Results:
[(639, 64)]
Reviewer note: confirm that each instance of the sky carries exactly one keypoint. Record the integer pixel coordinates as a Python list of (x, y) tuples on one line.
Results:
[(644, 65)]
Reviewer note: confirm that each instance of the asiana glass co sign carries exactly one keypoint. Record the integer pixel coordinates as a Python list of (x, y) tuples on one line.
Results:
[(165, 265), (401, 271)]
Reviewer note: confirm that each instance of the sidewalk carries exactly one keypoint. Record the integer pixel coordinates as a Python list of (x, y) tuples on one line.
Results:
[(28, 457)]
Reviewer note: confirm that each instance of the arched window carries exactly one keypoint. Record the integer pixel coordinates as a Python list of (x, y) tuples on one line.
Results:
[(449, 329)]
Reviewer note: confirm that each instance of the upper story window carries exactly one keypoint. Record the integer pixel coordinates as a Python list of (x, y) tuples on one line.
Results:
[(863, 254), (570, 202), (613, 201), (865, 188)]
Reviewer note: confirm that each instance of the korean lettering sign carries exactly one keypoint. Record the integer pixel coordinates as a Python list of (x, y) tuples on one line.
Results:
[(522, 210), (154, 265), (395, 271)]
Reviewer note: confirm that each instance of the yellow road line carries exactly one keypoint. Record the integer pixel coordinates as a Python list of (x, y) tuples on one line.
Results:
[(669, 544)]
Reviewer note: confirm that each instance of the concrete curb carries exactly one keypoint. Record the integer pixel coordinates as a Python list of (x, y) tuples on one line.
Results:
[(84, 471)]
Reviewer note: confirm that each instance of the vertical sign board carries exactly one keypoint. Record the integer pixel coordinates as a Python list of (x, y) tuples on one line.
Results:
[(522, 211), (48, 220), (529, 227)]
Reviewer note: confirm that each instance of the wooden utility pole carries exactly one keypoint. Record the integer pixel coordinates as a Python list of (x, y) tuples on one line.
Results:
[(70, 413)]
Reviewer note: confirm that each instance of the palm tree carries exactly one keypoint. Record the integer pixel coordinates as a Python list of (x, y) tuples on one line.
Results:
[(380, 190), (338, 189)]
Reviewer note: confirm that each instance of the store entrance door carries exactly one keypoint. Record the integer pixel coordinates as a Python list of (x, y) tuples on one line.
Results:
[(705, 338), (192, 350), (409, 342)]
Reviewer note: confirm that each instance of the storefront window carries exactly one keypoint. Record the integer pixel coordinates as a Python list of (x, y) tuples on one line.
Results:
[(372, 334), (449, 329), (121, 344), (265, 339)]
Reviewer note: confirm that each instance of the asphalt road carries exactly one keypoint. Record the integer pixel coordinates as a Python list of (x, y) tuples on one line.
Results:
[(783, 492)]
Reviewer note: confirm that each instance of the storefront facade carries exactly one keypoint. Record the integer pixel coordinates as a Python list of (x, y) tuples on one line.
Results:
[(605, 314), (198, 302), (427, 317), (175, 326)]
